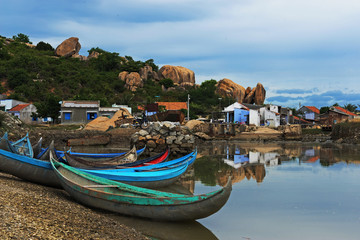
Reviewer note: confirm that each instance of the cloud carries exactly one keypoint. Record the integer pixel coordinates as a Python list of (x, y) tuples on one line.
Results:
[(295, 91)]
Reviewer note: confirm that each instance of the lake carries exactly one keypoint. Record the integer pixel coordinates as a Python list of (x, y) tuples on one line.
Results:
[(280, 191)]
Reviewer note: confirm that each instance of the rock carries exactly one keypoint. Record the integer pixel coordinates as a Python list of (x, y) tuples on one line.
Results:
[(151, 144), (122, 76), (133, 81), (68, 47), (93, 54), (203, 136), (156, 126), (145, 72), (179, 75), (160, 141), (148, 137), (143, 133), (228, 88), (172, 133), (179, 139), (250, 97), (81, 57), (170, 139), (247, 91), (260, 94), (193, 123)]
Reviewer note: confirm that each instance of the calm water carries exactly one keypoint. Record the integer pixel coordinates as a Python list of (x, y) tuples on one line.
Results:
[(286, 191)]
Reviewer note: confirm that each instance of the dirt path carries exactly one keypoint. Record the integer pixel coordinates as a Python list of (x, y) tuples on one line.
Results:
[(31, 211)]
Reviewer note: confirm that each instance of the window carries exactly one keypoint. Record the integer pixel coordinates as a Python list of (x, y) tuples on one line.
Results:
[(67, 116), (91, 115), (34, 119)]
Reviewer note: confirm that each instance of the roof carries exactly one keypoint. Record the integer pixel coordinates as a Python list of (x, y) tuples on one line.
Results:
[(173, 105), (300, 119), (252, 106), (313, 109), (19, 107), (345, 111), (81, 104), (234, 106)]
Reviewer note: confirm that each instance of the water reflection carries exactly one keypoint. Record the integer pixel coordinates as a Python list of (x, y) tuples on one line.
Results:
[(218, 161)]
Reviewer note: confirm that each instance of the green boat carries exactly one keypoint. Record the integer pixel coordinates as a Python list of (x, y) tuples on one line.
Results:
[(134, 201)]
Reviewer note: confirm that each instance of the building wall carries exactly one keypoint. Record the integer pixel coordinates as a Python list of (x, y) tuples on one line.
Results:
[(10, 103), (254, 117), (78, 115), (332, 118)]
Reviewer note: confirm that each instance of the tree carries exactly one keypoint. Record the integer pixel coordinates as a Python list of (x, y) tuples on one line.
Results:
[(49, 108), (350, 107), (167, 82), (44, 46), (324, 110), (22, 38)]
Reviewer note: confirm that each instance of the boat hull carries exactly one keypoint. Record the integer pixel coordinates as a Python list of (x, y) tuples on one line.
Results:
[(163, 209), (29, 169)]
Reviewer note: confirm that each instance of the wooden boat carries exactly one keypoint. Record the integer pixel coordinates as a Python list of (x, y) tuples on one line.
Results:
[(189, 158), (74, 162), (27, 168), (98, 155), (40, 171), (23, 146), (6, 145), (45, 155), (81, 162), (138, 202), (151, 176), (37, 148)]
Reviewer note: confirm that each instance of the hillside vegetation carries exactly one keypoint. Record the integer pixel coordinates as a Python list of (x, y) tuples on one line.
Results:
[(35, 74)]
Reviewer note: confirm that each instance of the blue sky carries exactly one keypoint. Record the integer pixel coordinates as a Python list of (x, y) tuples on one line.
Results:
[(303, 51)]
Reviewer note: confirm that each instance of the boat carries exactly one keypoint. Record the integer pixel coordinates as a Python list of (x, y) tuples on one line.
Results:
[(133, 201), (189, 158), (98, 155), (23, 146), (27, 168), (151, 176), (6, 145), (37, 148), (82, 162), (40, 171), (72, 161)]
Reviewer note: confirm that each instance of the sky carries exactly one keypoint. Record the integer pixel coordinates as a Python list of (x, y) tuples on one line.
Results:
[(304, 52)]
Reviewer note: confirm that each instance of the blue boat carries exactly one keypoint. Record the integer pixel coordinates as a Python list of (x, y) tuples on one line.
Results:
[(97, 155), (23, 146), (40, 171)]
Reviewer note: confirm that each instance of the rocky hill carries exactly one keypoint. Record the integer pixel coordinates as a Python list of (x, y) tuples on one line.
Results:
[(39, 73)]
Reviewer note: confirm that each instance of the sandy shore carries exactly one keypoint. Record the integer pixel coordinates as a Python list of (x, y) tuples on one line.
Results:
[(31, 211)]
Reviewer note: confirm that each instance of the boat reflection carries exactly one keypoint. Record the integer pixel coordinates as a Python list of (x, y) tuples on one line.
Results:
[(167, 230)]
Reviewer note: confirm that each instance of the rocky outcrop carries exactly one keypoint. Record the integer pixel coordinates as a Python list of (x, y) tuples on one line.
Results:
[(180, 75), (147, 72), (132, 80), (260, 93), (68, 48), (93, 54), (228, 88), (250, 97)]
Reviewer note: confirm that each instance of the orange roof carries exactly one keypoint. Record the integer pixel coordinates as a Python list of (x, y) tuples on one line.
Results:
[(173, 105), (300, 119), (313, 159), (314, 109), (345, 111), (19, 107)]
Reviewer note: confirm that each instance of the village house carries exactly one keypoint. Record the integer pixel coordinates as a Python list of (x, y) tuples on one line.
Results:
[(7, 104), (336, 114), (25, 112), (242, 114), (79, 111), (309, 113)]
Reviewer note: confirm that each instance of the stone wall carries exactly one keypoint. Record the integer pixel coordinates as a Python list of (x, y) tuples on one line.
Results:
[(158, 136)]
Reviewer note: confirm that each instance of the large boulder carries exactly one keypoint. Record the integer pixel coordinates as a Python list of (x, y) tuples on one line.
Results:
[(132, 80), (260, 93), (250, 97), (68, 48), (180, 75), (227, 88), (147, 72)]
